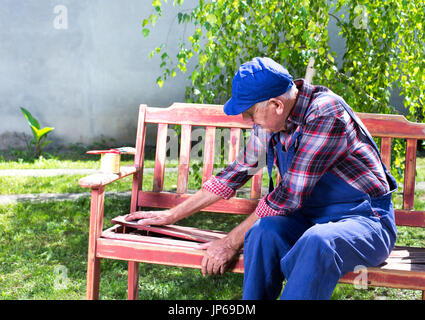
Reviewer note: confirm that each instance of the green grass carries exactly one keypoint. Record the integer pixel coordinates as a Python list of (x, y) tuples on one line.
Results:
[(37, 240), (61, 164), (69, 183)]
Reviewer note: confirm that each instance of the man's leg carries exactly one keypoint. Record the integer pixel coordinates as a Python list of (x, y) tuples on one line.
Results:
[(325, 252), (266, 243)]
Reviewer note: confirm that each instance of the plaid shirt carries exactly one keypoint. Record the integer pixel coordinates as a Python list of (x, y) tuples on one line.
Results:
[(330, 141)]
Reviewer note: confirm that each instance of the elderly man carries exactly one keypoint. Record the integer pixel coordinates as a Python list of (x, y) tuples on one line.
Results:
[(331, 211)]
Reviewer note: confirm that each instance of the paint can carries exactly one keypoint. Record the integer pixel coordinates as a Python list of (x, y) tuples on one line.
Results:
[(110, 162)]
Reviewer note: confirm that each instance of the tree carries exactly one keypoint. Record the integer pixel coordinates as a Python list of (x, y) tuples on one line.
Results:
[(384, 42), (384, 47)]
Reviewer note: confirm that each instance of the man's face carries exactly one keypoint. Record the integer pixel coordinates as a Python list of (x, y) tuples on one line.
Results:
[(272, 116)]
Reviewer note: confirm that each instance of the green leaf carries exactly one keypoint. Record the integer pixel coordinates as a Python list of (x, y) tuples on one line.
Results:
[(145, 32), (40, 133), (211, 19), (45, 143), (153, 17), (31, 120), (156, 3), (160, 82)]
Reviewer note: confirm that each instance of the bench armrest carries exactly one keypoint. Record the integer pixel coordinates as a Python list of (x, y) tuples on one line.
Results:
[(98, 180)]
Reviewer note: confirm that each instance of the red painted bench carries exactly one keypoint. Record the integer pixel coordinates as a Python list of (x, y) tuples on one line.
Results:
[(405, 268)]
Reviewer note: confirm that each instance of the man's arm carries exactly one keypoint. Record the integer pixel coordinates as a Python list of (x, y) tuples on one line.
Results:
[(197, 202), (220, 253)]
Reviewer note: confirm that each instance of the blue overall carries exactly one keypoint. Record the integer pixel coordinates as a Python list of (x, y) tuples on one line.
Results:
[(337, 228)]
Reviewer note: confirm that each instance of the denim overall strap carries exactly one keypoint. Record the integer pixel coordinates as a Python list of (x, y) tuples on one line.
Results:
[(283, 158), (270, 157)]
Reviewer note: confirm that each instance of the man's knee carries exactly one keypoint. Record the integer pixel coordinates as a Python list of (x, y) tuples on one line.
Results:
[(268, 227)]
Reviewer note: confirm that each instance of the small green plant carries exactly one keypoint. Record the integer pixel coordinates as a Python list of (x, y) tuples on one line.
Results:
[(40, 134)]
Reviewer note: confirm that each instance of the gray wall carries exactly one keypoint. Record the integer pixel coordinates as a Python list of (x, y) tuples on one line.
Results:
[(89, 79)]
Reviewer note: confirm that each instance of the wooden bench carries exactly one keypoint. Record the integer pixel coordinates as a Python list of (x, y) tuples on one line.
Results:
[(405, 268)]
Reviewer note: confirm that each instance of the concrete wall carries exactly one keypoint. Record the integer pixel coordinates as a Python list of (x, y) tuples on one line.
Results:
[(88, 79)]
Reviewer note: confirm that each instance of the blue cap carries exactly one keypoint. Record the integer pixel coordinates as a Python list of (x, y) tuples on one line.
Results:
[(257, 80)]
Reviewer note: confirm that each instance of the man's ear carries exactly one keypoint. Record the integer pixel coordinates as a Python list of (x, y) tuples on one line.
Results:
[(277, 105)]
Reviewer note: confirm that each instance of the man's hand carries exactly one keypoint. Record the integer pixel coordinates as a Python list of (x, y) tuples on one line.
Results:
[(158, 218), (218, 257), (221, 253)]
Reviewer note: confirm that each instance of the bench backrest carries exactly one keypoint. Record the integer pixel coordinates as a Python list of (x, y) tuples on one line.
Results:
[(188, 116)]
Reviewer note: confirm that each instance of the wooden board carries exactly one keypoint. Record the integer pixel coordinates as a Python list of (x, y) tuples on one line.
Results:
[(187, 233)]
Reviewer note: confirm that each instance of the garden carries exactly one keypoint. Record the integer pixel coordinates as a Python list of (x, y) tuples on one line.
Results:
[(44, 213)]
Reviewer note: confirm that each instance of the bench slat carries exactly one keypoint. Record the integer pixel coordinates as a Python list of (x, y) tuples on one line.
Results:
[(164, 254), (409, 175), (234, 141), (257, 181), (161, 152), (139, 157), (392, 125), (386, 151), (410, 218), (184, 159), (196, 115), (209, 148), (168, 200)]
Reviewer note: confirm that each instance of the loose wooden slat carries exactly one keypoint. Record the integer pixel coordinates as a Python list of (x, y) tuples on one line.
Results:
[(409, 175), (148, 239), (209, 148), (188, 233), (234, 141), (184, 159), (169, 200), (161, 153), (256, 184), (386, 151)]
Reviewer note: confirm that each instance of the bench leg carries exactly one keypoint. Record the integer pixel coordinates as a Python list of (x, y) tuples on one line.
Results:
[(93, 263), (133, 280), (423, 295), (93, 279)]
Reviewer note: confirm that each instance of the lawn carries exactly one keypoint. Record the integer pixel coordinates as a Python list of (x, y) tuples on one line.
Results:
[(43, 245)]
